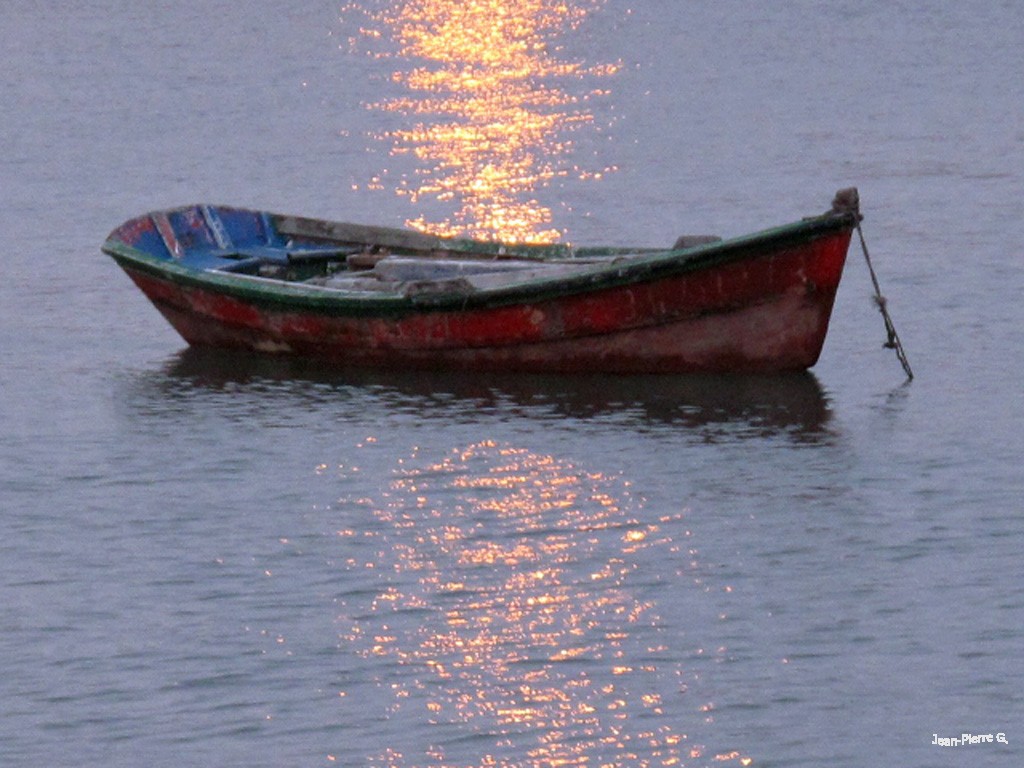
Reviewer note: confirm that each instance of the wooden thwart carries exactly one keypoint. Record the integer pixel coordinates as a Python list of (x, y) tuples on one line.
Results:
[(297, 226)]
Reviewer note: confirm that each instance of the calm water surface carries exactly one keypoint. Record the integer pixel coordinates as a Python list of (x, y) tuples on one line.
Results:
[(234, 561)]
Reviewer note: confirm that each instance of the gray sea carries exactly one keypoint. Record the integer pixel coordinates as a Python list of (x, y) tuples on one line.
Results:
[(228, 560)]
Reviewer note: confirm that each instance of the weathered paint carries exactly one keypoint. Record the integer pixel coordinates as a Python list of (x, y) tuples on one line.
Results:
[(756, 304)]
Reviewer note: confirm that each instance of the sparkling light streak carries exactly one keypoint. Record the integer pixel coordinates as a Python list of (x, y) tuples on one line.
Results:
[(490, 109), (507, 616)]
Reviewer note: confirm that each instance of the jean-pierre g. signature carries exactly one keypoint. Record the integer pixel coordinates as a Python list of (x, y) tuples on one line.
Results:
[(967, 739)]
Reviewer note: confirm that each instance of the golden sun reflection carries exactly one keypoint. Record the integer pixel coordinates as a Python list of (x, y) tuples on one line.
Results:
[(489, 122), (511, 620)]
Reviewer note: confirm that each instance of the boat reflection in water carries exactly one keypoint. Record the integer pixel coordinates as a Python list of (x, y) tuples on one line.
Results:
[(792, 407), (510, 619), (488, 111)]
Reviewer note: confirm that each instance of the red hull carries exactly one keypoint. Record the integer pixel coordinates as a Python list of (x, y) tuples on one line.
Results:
[(766, 312)]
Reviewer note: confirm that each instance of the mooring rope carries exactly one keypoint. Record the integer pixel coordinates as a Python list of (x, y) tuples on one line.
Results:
[(894, 339)]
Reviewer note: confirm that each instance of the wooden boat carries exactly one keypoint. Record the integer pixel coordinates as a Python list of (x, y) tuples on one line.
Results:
[(366, 296)]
